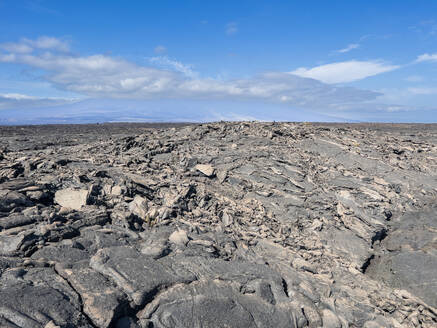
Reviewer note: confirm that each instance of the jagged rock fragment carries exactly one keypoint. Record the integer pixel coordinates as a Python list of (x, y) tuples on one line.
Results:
[(72, 198), (206, 169)]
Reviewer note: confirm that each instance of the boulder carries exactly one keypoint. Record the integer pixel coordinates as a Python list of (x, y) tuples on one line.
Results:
[(72, 198), (11, 199), (179, 238)]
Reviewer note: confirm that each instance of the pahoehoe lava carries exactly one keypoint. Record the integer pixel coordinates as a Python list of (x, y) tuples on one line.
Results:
[(224, 224)]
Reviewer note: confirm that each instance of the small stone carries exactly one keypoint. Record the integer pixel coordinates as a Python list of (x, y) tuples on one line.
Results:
[(35, 195), (107, 189), (227, 219), (72, 198), (388, 214), (139, 206), (155, 248), (222, 175), (206, 169), (179, 238), (116, 191), (64, 210)]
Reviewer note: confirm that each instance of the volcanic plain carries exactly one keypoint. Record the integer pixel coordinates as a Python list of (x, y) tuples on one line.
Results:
[(224, 224)]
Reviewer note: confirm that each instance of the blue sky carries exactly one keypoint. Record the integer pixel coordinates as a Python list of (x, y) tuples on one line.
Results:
[(95, 61)]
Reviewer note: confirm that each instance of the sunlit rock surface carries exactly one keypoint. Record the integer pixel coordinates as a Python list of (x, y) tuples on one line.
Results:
[(218, 225)]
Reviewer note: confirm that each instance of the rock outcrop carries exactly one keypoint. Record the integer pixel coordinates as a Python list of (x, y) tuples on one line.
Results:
[(219, 225)]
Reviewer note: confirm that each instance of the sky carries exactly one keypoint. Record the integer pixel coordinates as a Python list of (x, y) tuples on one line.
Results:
[(327, 60)]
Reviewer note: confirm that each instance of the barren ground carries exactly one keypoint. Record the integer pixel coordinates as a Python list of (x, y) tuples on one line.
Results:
[(218, 225)]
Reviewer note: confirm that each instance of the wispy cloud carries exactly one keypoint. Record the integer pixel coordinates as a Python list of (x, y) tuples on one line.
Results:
[(175, 65), (363, 39), (18, 101), (231, 28), (350, 47), (427, 57), (427, 28), (375, 37), (46, 42), (41, 43), (217, 116), (423, 90), (103, 76), (343, 72), (16, 47), (160, 50)]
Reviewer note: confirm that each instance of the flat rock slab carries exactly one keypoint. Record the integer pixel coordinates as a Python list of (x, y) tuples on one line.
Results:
[(244, 272), (139, 276), (64, 253), (16, 220), (214, 304), (12, 199), (206, 169), (411, 262), (33, 298), (414, 271), (101, 301), (29, 306), (72, 198), (9, 245), (346, 242)]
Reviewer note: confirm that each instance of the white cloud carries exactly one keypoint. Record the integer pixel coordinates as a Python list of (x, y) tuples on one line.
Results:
[(17, 96), (160, 50), (16, 47), (103, 76), (217, 116), (46, 42), (18, 101), (427, 57), (164, 61), (350, 47), (423, 90), (231, 28), (42, 43), (343, 72)]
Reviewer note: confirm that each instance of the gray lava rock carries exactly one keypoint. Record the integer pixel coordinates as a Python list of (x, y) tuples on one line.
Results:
[(101, 302), (31, 301), (12, 199), (224, 224), (213, 304), (72, 198), (138, 276)]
